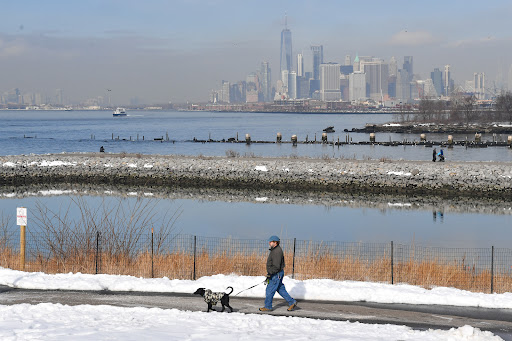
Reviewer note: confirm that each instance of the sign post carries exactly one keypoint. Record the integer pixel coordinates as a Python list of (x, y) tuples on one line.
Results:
[(21, 219)]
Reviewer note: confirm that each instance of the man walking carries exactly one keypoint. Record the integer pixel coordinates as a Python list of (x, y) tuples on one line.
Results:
[(275, 274)]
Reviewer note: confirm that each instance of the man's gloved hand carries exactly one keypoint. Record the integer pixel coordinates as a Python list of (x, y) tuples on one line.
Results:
[(267, 280)]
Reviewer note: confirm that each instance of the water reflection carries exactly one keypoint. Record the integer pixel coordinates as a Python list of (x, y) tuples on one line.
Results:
[(438, 214), (305, 216)]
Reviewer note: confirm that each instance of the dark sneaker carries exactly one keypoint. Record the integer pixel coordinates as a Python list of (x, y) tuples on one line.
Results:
[(265, 309), (290, 308)]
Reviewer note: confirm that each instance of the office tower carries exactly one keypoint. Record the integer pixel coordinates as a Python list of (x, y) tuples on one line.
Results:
[(302, 87), (318, 59), (292, 85), (344, 86), (58, 97), (356, 64), (403, 88), (266, 82), (225, 92), (348, 60), (300, 65), (392, 86), (437, 80), (252, 90), (330, 82), (408, 66), (479, 85), (286, 49), (377, 75), (446, 81), (357, 86), (393, 68)]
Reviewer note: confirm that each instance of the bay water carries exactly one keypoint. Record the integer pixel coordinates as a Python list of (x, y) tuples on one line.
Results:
[(41, 132)]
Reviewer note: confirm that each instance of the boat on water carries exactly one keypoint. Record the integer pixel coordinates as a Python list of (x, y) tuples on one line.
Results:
[(329, 129), (119, 112)]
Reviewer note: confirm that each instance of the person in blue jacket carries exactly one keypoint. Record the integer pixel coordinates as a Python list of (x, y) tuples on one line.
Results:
[(275, 274)]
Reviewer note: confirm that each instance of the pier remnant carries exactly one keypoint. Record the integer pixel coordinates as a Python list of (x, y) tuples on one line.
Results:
[(279, 138), (294, 140), (324, 137), (478, 137), (423, 137), (248, 138), (372, 137)]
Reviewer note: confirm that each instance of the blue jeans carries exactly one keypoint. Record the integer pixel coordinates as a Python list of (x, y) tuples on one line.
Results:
[(276, 284)]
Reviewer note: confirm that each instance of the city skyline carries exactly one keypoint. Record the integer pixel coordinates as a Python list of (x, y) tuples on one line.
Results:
[(180, 51)]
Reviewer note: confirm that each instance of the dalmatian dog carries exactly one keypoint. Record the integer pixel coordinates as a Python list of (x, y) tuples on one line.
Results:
[(211, 298)]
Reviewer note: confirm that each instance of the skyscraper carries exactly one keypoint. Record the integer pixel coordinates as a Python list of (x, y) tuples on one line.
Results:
[(479, 85), (300, 65), (446, 81), (266, 82), (318, 59), (377, 75), (408, 65), (357, 86), (393, 68), (286, 49), (437, 79), (330, 82)]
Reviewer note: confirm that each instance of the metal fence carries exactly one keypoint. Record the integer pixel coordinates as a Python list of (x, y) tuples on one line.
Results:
[(191, 257)]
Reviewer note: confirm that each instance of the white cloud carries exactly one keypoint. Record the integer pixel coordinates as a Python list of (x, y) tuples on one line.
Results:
[(409, 38)]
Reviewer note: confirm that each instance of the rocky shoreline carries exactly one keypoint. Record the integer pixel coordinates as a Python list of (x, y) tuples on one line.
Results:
[(449, 179), (418, 128)]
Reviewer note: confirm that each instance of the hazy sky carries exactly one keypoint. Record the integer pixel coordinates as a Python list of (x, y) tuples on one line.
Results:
[(178, 50)]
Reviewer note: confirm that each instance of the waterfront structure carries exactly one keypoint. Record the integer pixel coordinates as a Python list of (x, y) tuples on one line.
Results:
[(479, 85), (357, 86), (437, 80), (377, 74), (266, 82), (286, 49), (330, 82)]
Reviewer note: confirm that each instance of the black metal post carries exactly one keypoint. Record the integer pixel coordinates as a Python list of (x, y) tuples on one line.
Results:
[(492, 269), (293, 262), (195, 245), (152, 252), (97, 249), (392, 279)]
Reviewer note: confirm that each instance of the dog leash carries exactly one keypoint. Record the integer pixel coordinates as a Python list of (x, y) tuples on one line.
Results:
[(250, 287)]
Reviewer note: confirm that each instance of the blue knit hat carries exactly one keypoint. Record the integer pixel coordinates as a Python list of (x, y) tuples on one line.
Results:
[(274, 239)]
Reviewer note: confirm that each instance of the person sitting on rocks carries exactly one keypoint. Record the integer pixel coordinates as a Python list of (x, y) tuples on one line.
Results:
[(102, 150), (434, 152)]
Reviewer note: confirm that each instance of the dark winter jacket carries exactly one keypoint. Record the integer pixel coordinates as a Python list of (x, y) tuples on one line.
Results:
[(275, 260)]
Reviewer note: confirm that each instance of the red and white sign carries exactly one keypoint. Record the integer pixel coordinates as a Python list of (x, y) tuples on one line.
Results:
[(21, 216)]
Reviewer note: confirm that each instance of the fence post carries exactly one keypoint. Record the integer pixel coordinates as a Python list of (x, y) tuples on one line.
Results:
[(97, 249), (293, 262), (152, 252), (392, 279), (492, 269), (195, 244)]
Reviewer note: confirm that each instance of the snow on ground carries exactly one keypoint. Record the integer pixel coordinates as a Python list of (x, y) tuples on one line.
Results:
[(49, 321), (313, 289)]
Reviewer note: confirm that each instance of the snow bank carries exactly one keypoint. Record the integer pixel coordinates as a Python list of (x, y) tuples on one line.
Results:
[(48, 321)]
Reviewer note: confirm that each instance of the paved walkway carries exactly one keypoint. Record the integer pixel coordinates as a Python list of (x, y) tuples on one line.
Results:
[(498, 321)]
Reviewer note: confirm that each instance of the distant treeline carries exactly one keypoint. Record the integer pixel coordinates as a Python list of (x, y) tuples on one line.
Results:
[(461, 109)]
